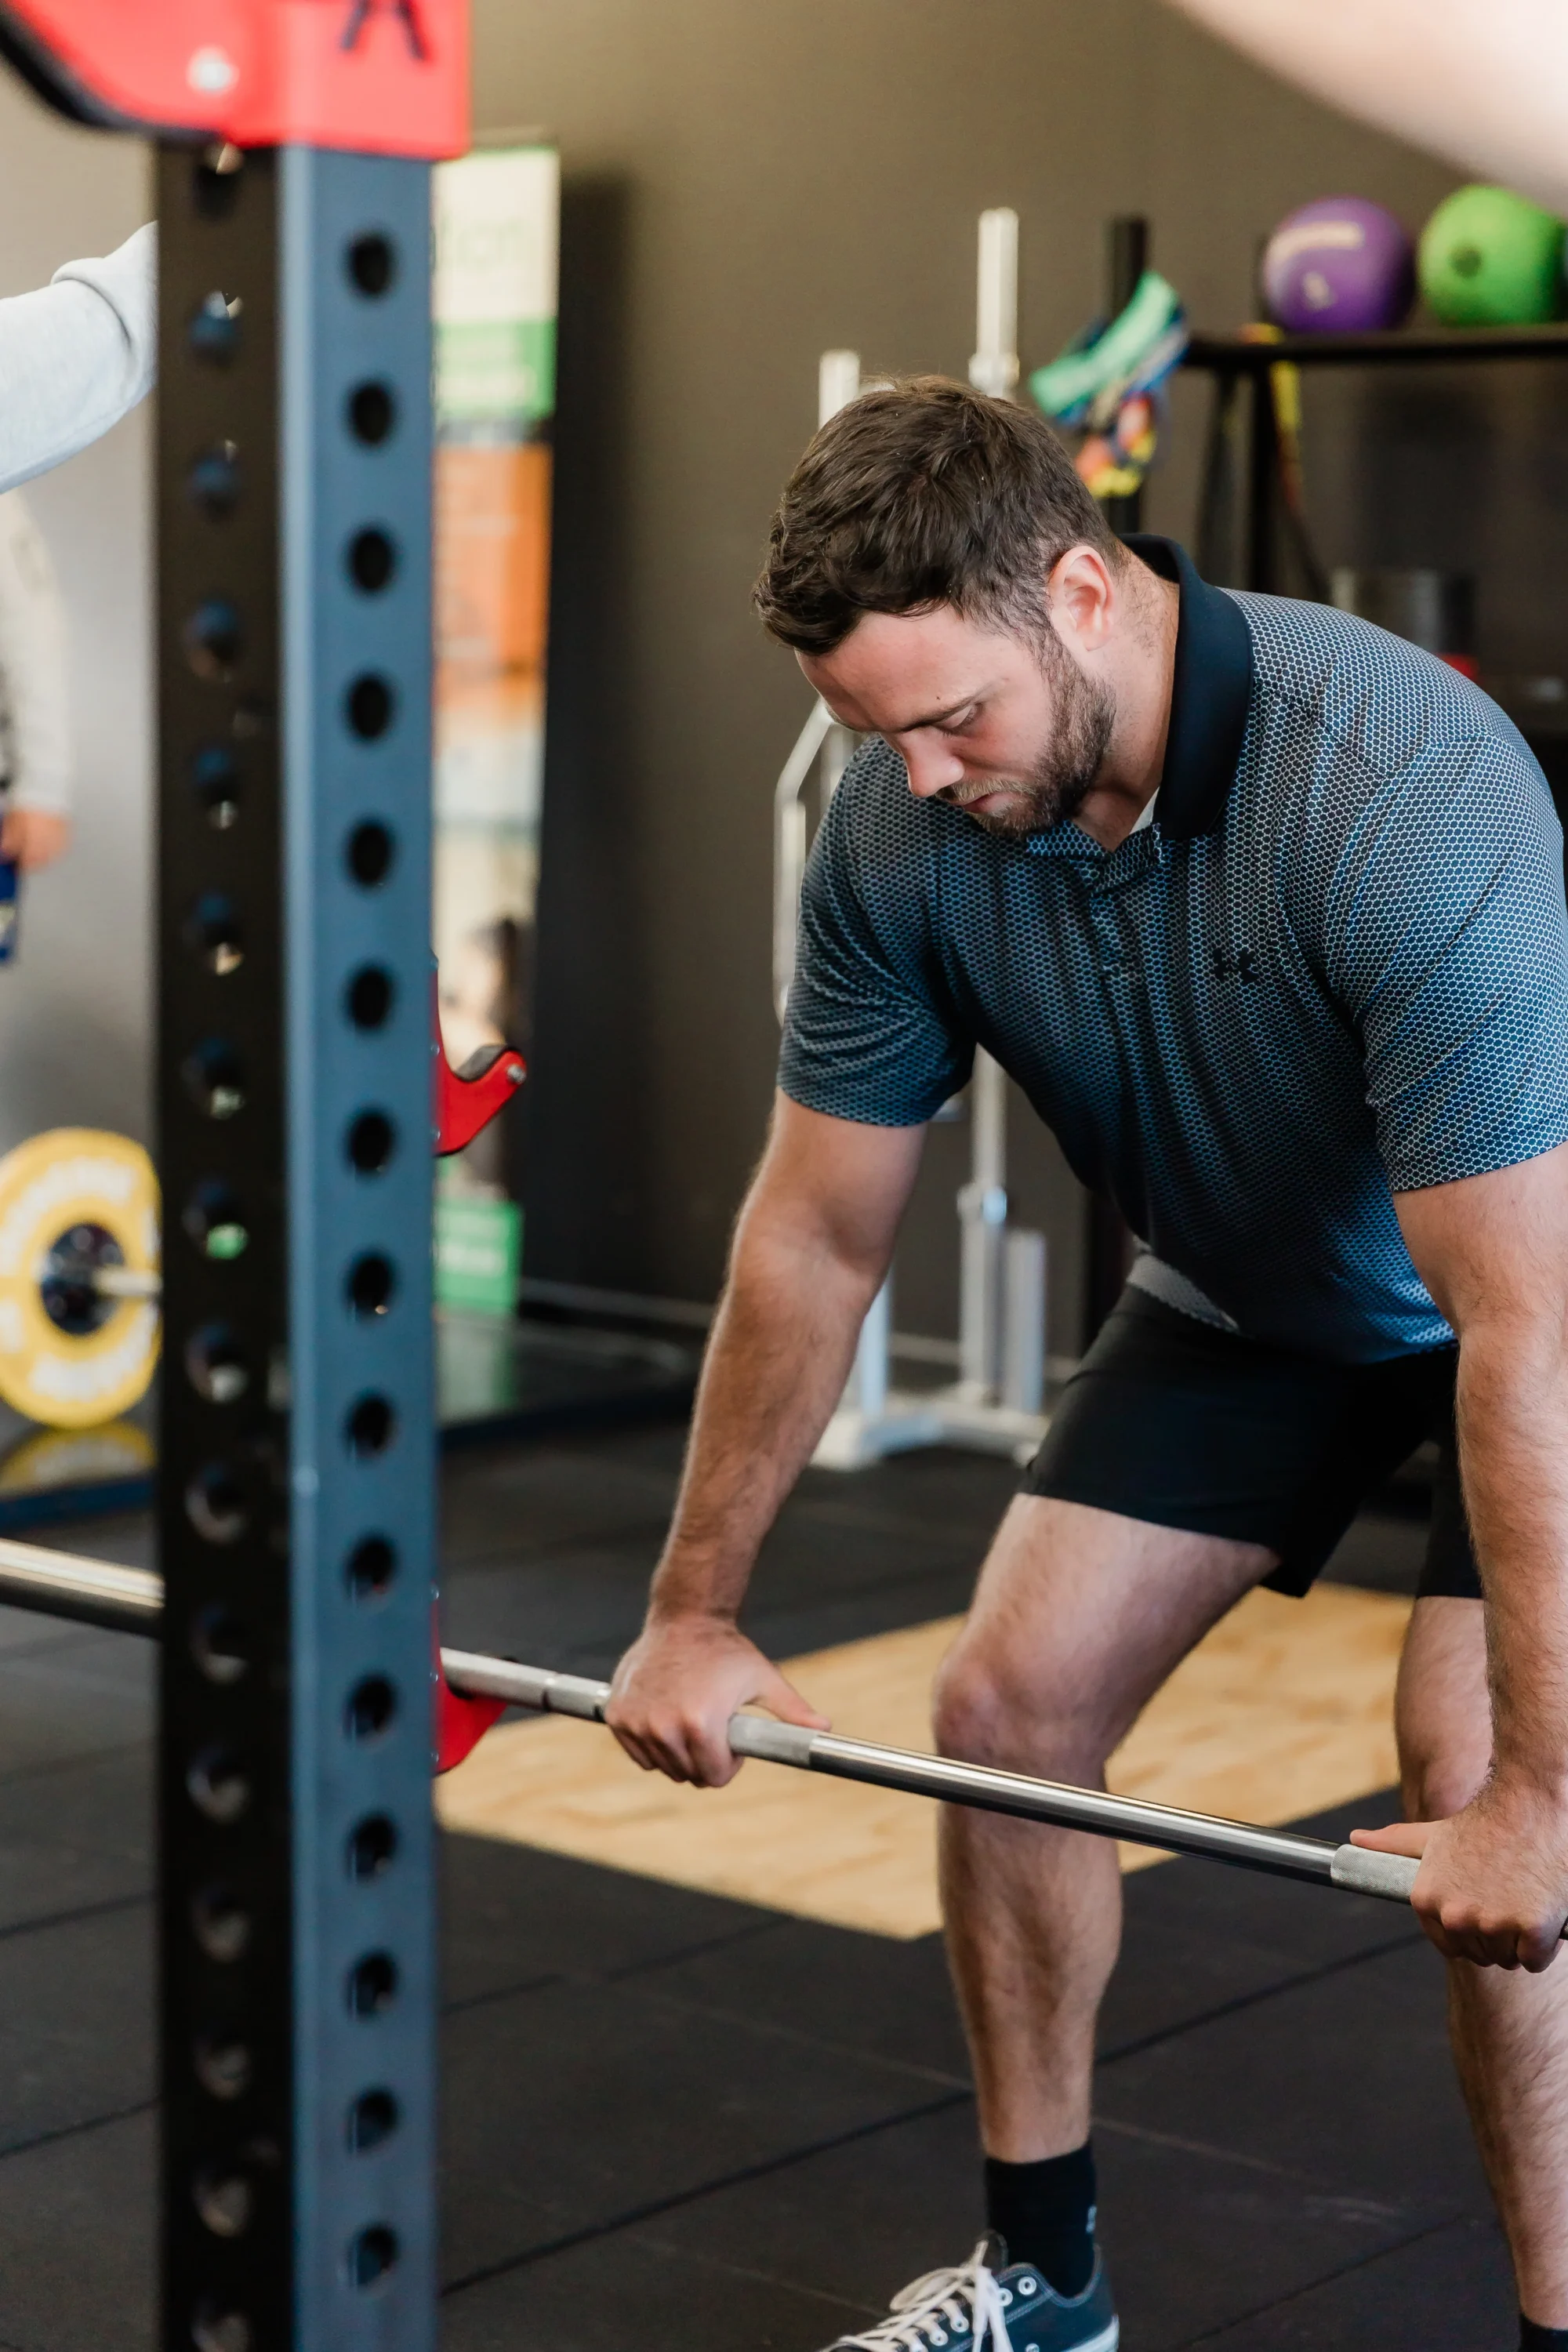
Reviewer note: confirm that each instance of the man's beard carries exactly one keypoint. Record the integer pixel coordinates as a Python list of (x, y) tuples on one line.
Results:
[(1063, 775)]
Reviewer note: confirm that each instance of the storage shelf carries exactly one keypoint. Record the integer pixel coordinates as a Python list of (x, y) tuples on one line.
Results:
[(1399, 347)]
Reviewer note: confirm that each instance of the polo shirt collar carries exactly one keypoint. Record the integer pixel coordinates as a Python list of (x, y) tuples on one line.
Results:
[(1211, 691)]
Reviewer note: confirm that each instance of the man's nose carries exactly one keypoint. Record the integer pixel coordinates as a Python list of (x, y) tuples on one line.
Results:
[(933, 768)]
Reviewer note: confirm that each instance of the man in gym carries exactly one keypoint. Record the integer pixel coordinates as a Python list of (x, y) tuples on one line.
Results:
[(1263, 909)]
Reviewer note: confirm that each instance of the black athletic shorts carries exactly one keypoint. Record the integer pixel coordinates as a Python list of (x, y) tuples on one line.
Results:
[(1186, 1426)]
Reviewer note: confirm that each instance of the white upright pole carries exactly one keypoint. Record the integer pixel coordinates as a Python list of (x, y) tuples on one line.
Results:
[(994, 366), (982, 1203), (838, 383)]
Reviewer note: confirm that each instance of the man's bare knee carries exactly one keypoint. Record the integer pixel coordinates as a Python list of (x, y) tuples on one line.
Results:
[(985, 1712)]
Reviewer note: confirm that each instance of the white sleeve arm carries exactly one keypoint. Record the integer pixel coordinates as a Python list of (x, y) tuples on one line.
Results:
[(34, 679), (1481, 83), (76, 355)]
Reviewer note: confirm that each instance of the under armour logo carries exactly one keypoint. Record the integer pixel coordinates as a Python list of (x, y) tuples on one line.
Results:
[(405, 11), (1242, 965)]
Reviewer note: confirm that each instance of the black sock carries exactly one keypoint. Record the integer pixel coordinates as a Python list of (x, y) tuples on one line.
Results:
[(1541, 2339), (1045, 2213)]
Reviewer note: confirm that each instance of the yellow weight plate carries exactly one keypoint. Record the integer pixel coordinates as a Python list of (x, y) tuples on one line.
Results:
[(74, 1177)]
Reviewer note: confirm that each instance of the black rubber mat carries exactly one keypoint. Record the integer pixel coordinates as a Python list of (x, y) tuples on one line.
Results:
[(673, 2120), (584, 2105), (651, 2298), (76, 2007), (74, 1836), (77, 2241), (1451, 2287)]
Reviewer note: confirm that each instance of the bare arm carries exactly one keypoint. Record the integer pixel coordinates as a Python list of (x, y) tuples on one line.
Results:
[(811, 1250), (1493, 1252), (1482, 82)]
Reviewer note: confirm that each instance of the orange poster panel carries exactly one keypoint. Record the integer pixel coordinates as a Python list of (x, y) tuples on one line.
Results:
[(492, 573)]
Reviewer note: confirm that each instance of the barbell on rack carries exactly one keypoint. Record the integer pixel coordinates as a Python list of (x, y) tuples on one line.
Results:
[(130, 1601)]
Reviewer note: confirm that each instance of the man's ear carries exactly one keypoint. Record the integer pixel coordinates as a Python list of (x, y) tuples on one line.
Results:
[(1080, 597)]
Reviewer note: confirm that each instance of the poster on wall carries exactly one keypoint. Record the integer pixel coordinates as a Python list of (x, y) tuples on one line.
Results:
[(496, 215)]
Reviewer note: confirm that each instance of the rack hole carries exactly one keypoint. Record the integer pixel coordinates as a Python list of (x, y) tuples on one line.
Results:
[(215, 481), (372, 412), (214, 1504), (213, 332), (212, 932), (372, 2253), (372, 1847), (373, 1985), (373, 263), (226, 2202), (372, 1705), (215, 781), (214, 639), (370, 705), (218, 1645), (215, 1078), (371, 1284), (372, 560), (370, 1427), (372, 2119), (370, 996), (215, 1364), (216, 2329), (224, 2065), (371, 1568), (221, 1923), (371, 1141), (213, 1220), (215, 183), (369, 854), (217, 1785)]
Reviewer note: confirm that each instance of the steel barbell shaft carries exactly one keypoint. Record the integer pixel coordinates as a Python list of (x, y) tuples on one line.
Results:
[(131, 1599), (979, 1786)]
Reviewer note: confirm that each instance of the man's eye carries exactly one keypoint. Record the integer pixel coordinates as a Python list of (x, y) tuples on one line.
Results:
[(961, 724)]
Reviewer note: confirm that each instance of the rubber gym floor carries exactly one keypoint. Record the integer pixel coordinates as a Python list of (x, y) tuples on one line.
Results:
[(675, 2120)]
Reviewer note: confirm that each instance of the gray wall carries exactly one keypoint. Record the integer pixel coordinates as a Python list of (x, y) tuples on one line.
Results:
[(745, 187), (74, 1010)]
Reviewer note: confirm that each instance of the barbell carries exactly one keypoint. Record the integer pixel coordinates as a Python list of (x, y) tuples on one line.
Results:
[(130, 1600)]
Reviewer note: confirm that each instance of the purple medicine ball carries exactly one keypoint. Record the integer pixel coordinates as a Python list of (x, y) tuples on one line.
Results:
[(1339, 267)]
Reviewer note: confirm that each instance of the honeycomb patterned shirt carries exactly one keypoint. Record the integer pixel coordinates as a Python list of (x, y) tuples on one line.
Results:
[(1333, 967)]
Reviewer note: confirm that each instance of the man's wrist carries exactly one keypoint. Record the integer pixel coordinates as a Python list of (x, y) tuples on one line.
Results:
[(1522, 1784), (671, 1606)]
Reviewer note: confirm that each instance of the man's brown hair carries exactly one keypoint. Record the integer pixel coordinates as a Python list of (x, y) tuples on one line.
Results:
[(924, 493)]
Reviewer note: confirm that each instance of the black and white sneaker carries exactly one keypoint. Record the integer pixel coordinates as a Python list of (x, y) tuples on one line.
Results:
[(983, 2307)]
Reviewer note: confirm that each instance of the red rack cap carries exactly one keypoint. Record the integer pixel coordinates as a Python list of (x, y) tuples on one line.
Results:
[(373, 77)]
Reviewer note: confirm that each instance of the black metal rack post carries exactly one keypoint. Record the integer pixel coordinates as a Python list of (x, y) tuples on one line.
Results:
[(294, 1106)]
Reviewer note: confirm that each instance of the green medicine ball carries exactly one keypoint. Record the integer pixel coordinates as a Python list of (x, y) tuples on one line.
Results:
[(1490, 259)]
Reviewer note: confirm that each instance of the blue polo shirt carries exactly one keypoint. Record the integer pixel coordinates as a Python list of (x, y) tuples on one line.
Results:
[(1334, 967)]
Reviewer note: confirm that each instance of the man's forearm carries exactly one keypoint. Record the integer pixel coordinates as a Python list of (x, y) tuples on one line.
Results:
[(1512, 1406), (782, 1342)]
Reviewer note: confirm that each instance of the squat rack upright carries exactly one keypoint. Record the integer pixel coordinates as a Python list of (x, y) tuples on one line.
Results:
[(294, 1114)]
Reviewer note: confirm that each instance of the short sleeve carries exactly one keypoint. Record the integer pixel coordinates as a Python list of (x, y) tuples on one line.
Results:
[(866, 1034), (1446, 942)]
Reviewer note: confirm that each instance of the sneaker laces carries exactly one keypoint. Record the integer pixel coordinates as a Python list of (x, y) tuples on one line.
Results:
[(963, 2306)]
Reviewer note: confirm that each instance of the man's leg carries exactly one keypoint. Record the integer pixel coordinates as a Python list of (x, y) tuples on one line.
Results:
[(1510, 2030), (1078, 1617)]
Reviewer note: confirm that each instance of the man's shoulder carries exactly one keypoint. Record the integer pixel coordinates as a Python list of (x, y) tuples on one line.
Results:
[(1364, 701)]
